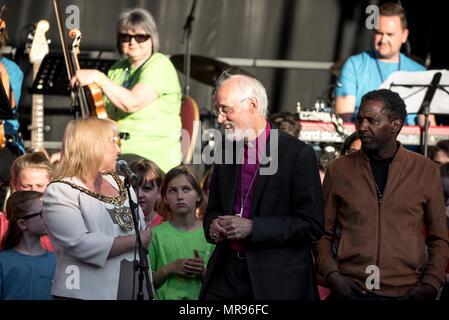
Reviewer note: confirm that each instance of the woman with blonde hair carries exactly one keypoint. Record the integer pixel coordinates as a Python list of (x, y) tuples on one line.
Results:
[(86, 210)]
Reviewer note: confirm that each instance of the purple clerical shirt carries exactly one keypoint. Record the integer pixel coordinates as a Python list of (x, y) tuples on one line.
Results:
[(252, 153)]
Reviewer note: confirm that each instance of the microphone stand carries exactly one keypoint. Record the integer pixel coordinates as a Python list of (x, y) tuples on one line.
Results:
[(187, 34), (142, 265), (425, 109)]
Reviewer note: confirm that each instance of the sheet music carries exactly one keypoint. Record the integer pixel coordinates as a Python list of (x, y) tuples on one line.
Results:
[(411, 87)]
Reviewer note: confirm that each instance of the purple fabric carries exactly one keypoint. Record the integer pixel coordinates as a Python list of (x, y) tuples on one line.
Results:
[(252, 153)]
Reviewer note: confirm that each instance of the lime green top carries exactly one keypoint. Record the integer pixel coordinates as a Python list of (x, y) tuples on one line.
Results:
[(170, 244), (154, 130)]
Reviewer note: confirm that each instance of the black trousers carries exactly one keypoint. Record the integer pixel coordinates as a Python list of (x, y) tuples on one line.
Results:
[(230, 280)]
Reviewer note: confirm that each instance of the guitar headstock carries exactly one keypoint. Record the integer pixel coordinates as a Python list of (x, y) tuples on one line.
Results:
[(39, 46)]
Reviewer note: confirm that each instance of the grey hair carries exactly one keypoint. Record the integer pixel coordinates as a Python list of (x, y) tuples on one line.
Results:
[(130, 19), (250, 87)]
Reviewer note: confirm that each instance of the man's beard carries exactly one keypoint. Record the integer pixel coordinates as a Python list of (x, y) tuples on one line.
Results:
[(233, 133)]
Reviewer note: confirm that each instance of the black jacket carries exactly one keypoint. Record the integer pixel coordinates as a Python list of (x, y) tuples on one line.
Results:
[(287, 213)]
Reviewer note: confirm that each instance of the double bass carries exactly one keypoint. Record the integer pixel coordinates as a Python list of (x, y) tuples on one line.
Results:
[(90, 97)]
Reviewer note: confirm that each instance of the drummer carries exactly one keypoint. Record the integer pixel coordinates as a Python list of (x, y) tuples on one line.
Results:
[(142, 91)]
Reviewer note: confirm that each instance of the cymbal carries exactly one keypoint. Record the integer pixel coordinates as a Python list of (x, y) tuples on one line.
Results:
[(204, 69)]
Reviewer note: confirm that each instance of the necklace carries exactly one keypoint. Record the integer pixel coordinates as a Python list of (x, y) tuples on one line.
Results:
[(122, 214), (380, 71), (243, 201), (126, 82)]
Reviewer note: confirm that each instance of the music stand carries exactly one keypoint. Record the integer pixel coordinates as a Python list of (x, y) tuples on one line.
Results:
[(51, 79), (424, 92)]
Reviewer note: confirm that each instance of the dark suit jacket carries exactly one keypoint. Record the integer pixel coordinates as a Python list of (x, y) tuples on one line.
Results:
[(287, 213)]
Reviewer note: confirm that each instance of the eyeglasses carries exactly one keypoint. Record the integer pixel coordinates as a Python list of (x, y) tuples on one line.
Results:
[(125, 37), (32, 215), (225, 111), (116, 141)]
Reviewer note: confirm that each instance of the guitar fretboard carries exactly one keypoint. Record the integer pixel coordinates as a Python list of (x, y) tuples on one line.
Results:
[(37, 115)]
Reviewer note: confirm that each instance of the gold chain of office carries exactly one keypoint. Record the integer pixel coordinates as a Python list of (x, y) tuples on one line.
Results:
[(122, 215)]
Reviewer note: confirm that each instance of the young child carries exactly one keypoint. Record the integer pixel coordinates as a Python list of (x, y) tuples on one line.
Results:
[(30, 172), (179, 251), (149, 180), (26, 268)]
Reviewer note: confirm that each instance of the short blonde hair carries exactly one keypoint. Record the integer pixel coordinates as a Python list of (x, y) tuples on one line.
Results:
[(83, 147), (33, 160)]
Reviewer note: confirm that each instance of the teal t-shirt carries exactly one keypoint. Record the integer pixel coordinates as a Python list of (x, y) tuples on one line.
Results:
[(15, 79), (25, 277), (360, 75), (170, 244), (154, 130)]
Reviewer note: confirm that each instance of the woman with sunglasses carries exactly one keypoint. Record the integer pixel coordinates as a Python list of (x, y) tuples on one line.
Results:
[(142, 92), (26, 268)]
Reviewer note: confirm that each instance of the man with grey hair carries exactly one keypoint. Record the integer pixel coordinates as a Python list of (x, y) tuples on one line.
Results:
[(262, 221)]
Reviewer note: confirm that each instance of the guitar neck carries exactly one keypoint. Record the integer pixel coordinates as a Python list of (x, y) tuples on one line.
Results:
[(37, 116)]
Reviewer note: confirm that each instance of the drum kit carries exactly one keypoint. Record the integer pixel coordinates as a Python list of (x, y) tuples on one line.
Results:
[(207, 71)]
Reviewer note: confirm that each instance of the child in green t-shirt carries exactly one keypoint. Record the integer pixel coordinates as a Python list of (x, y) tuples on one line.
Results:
[(179, 251)]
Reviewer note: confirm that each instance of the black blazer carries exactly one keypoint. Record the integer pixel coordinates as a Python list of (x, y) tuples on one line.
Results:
[(287, 213)]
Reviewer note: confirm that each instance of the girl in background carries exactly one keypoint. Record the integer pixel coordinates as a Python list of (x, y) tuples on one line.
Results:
[(149, 180), (179, 251), (26, 268)]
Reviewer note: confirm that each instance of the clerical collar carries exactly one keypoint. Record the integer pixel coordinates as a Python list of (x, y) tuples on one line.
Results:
[(260, 139)]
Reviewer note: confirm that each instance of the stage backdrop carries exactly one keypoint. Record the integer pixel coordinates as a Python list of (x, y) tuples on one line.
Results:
[(298, 40)]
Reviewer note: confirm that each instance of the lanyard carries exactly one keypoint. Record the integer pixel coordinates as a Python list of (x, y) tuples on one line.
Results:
[(126, 83), (380, 72)]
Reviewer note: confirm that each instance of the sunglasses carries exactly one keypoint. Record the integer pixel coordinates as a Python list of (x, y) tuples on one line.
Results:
[(32, 215), (124, 37)]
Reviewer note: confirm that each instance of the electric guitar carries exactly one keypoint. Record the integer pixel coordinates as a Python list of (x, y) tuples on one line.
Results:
[(37, 52)]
